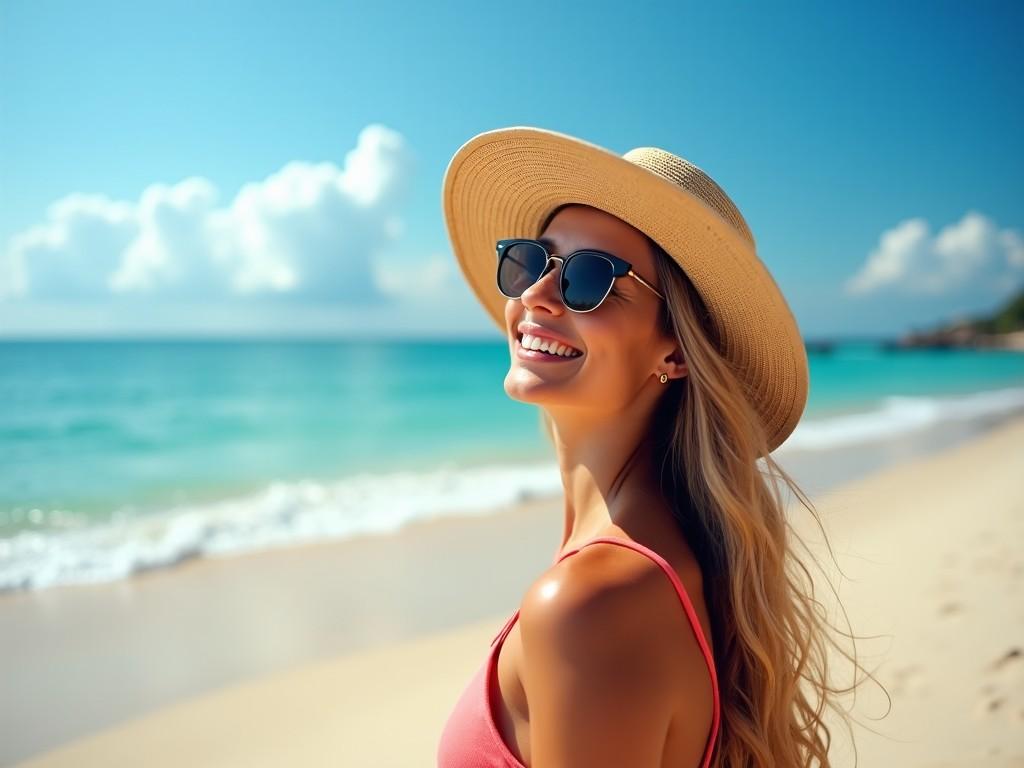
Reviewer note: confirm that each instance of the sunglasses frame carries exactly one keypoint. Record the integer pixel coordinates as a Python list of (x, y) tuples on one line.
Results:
[(620, 268)]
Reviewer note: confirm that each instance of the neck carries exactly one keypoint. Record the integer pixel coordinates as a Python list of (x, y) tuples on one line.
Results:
[(609, 472)]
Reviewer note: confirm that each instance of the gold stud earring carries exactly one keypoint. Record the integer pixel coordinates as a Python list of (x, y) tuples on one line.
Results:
[(663, 378)]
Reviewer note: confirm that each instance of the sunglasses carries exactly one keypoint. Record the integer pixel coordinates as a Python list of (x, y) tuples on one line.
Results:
[(587, 275)]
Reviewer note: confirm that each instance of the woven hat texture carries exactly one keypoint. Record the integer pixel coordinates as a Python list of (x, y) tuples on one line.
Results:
[(504, 183)]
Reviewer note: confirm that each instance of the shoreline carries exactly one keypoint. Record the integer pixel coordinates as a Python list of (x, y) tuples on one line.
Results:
[(219, 636), (61, 548)]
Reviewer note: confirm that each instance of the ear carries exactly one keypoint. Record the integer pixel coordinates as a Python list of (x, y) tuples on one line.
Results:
[(674, 364)]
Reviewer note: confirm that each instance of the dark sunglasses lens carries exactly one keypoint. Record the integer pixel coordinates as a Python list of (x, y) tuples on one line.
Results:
[(519, 268), (586, 279)]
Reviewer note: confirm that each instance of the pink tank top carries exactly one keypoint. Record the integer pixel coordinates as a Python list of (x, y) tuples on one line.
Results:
[(471, 739)]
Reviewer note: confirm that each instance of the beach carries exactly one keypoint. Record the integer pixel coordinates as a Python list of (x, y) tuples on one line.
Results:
[(353, 652)]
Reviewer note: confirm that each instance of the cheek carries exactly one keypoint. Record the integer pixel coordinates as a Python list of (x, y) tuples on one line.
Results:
[(626, 355), (511, 310), (606, 334), (629, 359)]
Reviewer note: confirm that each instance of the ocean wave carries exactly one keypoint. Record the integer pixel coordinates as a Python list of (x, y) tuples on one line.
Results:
[(897, 415), (281, 514), (285, 513)]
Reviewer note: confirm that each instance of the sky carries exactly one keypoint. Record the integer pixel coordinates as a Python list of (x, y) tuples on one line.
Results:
[(241, 169)]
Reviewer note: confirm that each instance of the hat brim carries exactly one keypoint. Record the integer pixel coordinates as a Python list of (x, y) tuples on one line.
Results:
[(506, 182)]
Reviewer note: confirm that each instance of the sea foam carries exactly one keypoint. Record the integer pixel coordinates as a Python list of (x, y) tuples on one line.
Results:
[(286, 513), (280, 514)]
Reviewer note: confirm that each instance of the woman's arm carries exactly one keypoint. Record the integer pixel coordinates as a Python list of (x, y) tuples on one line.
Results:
[(600, 634)]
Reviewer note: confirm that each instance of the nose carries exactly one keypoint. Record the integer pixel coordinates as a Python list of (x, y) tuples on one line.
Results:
[(544, 292)]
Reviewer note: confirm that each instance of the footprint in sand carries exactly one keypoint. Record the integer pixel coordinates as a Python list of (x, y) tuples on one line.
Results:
[(1009, 659), (996, 693), (994, 704), (990, 703), (950, 608)]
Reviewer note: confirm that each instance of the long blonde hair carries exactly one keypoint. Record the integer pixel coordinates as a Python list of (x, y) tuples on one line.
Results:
[(769, 632)]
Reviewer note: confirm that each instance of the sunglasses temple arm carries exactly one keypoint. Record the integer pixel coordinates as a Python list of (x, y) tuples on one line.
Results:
[(633, 274)]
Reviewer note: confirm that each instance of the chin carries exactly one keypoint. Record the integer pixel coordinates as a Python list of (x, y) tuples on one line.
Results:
[(525, 386)]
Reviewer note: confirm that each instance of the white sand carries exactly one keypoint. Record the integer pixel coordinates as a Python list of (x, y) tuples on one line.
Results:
[(932, 549)]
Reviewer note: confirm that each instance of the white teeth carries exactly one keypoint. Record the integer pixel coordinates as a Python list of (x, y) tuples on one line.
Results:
[(551, 347)]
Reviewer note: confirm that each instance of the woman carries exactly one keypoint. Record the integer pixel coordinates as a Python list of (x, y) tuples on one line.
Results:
[(672, 628)]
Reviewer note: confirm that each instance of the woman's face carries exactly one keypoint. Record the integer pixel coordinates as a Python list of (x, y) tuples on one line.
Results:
[(622, 349)]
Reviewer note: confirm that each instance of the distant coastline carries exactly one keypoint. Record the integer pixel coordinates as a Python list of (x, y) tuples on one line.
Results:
[(960, 336), (1003, 329)]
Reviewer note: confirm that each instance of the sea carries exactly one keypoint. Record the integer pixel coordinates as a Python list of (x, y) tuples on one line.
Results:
[(120, 456)]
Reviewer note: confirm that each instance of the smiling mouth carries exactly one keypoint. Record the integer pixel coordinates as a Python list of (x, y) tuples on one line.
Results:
[(568, 353)]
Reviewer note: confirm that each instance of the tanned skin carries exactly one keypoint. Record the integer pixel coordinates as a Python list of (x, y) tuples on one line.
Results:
[(602, 669)]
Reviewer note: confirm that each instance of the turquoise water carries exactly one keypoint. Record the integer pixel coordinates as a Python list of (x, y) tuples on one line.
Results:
[(95, 432), (90, 426)]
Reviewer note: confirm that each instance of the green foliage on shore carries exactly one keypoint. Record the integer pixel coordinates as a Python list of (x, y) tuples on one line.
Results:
[(1008, 318)]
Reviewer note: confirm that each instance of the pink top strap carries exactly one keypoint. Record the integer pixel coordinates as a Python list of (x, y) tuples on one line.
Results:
[(471, 738), (691, 614)]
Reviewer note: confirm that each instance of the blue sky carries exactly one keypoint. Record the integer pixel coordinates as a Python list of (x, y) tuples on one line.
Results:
[(182, 170)]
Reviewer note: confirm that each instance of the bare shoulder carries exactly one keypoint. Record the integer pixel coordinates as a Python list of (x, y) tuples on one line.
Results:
[(601, 665), (607, 598), (599, 585)]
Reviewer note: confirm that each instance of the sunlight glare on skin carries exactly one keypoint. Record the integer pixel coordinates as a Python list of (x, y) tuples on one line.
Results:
[(549, 589)]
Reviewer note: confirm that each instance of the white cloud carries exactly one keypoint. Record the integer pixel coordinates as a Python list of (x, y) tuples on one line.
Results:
[(313, 232), (73, 253), (971, 253), (170, 250), (1013, 243)]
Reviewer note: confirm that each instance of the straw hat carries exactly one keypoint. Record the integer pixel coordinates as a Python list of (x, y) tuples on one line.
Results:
[(504, 183)]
